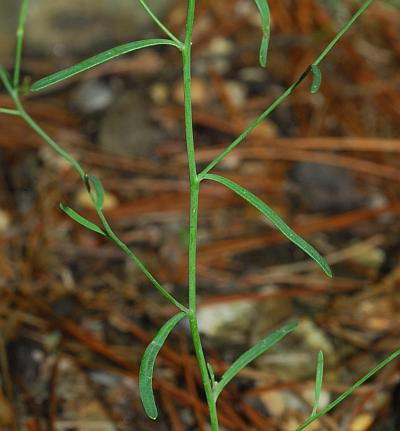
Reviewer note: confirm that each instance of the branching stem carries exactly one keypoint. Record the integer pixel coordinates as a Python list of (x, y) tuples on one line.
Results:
[(154, 17), (193, 223), (285, 94)]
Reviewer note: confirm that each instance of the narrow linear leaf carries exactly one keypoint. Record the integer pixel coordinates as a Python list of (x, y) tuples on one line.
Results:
[(81, 220), (98, 186), (317, 77), (263, 7), (275, 219), (319, 375), (252, 354), (98, 59), (147, 366)]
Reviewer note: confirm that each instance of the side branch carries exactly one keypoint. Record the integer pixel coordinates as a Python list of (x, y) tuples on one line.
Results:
[(286, 93)]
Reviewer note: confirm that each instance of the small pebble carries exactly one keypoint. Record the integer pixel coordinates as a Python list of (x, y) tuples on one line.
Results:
[(201, 95), (159, 93), (5, 220), (237, 92), (220, 46), (362, 422), (92, 96), (84, 201)]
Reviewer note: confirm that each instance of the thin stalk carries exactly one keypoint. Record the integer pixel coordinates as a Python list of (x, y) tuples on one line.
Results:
[(154, 17), (334, 41), (20, 41), (345, 394), (21, 111), (285, 94), (252, 126), (139, 263), (46, 137), (193, 223), (9, 111)]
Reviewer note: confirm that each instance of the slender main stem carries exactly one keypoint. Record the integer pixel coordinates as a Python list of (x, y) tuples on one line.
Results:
[(193, 223)]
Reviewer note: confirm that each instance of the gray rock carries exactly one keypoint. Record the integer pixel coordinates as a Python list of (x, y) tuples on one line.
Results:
[(92, 96), (127, 128), (79, 27), (324, 188)]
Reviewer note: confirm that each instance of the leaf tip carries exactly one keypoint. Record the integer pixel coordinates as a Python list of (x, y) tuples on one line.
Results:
[(153, 415), (35, 86), (290, 327), (264, 50), (328, 271)]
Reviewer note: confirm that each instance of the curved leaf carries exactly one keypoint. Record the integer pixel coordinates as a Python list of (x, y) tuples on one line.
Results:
[(81, 220), (263, 7), (317, 77), (275, 219), (98, 186), (147, 366), (252, 354), (98, 59), (319, 375)]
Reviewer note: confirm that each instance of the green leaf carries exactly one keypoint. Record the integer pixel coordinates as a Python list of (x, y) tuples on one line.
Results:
[(252, 354), (81, 220), (147, 366), (266, 29), (98, 59), (319, 375), (316, 83), (99, 198), (275, 219)]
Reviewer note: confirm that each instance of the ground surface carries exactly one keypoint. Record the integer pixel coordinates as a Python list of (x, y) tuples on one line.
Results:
[(75, 315)]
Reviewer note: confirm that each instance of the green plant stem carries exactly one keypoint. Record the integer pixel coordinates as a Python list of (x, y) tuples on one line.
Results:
[(154, 17), (345, 394), (193, 219), (252, 126), (285, 94), (9, 111), (20, 41), (46, 137), (211, 401), (334, 41), (21, 111), (138, 262)]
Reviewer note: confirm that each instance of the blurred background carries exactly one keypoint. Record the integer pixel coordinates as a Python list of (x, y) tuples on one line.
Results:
[(76, 315)]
